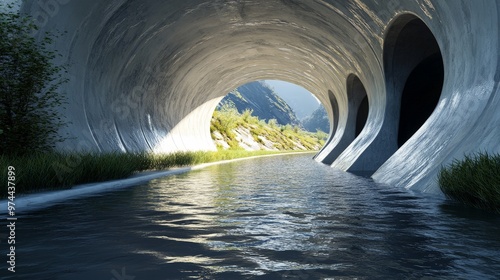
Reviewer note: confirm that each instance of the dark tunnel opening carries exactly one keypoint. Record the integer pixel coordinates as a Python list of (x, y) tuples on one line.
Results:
[(335, 107), (362, 115), (333, 126), (414, 75), (420, 96), (358, 103)]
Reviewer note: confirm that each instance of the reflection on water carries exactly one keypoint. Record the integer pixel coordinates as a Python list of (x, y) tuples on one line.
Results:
[(271, 218)]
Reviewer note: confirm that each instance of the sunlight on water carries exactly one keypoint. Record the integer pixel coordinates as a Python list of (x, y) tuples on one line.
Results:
[(269, 218)]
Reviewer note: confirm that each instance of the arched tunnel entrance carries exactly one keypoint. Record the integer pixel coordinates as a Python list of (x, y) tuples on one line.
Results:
[(414, 74), (420, 96), (358, 107), (362, 115), (356, 116), (358, 103), (335, 108), (330, 157)]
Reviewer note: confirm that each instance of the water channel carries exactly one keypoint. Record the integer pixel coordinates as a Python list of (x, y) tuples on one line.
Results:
[(285, 217)]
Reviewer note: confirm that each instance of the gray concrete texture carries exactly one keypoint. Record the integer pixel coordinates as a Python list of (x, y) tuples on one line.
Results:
[(146, 75)]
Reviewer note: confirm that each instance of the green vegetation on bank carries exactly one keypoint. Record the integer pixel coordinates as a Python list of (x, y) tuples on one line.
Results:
[(474, 181), (30, 96), (50, 171), (284, 137)]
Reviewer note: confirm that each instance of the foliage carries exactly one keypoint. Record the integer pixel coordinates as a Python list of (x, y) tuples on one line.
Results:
[(285, 137), (273, 123), (229, 121), (474, 181), (247, 115), (29, 100), (323, 136), (46, 171)]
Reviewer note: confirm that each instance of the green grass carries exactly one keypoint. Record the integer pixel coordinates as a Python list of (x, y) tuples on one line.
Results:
[(474, 181), (49, 171)]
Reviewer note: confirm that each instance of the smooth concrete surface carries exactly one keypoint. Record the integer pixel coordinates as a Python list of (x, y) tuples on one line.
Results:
[(145, 75)]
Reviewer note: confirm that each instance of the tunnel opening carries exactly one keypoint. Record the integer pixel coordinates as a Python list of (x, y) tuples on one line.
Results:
[(358, 104), (420, 96), (269, 115), (362, 115), (335, 108), (330, 157), (414, 75)]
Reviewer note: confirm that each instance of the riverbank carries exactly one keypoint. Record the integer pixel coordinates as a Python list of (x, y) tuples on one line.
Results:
[(50, 171), (44, 199)]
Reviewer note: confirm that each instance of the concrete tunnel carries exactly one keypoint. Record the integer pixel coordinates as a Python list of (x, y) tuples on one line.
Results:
[(408, 85)]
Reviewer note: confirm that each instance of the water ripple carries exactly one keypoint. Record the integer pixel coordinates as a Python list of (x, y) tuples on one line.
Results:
[(272, 218)]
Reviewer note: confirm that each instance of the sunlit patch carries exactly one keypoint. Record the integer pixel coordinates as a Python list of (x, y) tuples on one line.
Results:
[(200, 260), (190, 133)]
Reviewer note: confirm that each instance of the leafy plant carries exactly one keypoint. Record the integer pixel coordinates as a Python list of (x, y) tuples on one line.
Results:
[(247, 115), (321, 135), (273, 123), (29, 83), (228, 120)]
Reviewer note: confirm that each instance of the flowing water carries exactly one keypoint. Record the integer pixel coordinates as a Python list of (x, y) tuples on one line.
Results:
[(285, 217)]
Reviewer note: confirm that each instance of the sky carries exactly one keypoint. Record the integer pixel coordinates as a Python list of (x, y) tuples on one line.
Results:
[(285, 87)]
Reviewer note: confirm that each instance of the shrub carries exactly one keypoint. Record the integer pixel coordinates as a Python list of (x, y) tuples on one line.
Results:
[(475, 181), (272, 123), (29, 82), (225, 119), (321, 135), (246, 115)]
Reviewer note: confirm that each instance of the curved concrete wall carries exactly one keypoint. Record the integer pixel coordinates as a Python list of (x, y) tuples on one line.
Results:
[(147, 74)]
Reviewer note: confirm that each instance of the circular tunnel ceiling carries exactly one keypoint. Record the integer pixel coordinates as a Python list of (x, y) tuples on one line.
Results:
[(146, 75)]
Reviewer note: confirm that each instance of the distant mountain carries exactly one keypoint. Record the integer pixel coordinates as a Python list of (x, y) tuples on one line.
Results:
[(264, 102), (317, 120), (299, 99)]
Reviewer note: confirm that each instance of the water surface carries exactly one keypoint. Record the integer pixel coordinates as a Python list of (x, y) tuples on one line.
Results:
[(284, 217)]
